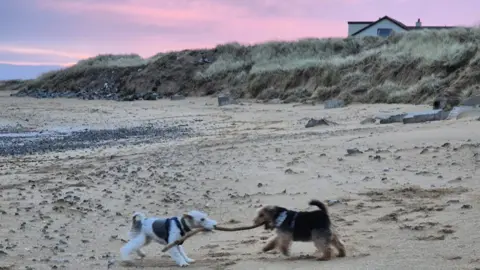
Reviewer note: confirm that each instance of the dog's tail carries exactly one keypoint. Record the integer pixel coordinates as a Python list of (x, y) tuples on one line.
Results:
[(320, 205), (137, 220)]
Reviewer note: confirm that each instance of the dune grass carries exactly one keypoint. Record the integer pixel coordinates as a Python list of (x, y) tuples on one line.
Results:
[(407, 67)]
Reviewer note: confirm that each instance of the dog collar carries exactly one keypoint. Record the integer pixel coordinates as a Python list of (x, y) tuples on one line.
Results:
[(280, 219), (185, 225)]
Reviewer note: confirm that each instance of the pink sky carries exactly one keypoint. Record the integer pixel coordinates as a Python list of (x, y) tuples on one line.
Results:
[(61, 32)]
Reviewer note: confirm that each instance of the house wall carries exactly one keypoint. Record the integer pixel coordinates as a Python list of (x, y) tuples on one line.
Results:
[(372, 31), (354, 27)]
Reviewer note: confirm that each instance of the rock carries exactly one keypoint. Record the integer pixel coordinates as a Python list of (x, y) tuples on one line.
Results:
[(129, 98), (334, 103), (177, 97), (369, 120), (353, 151), (274, 101), (150, 96), (321, 122), (332, 202), (224, 100), (420, 117), (395, 118)]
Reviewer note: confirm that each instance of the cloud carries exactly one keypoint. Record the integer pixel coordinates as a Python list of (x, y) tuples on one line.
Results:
[(67, 30), (42, 52)]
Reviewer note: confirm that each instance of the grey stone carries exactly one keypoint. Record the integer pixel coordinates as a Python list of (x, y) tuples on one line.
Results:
[(420, 117), (224, 100), (368, 120), (150, 96), (334, 103), (353, 151), (177, 97), (320, 122), (395, 118)]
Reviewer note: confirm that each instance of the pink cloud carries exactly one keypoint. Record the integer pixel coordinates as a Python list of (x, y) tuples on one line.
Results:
[(74, 29), (38, 51), (143, 10), (228, 22), (26, 63)]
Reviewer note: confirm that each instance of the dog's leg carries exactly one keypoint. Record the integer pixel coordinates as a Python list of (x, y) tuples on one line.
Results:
[(132, 245), (284, 243), (182, 251), (322, 241), (140, 252), (271, 244), (338, 243), (177, 256)]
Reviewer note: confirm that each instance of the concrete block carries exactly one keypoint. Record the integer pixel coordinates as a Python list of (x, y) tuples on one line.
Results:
[(420, 117), (458, 110), (334, 103), (224, 100), (395, 118), (473, 101), (177, 97)]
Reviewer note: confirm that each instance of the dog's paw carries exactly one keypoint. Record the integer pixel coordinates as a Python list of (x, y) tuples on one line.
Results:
[(188, 260)]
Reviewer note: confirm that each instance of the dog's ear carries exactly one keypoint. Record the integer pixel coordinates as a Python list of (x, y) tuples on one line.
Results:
[(187, 216)]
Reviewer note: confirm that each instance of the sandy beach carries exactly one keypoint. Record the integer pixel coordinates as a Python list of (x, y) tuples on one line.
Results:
[(408, 199)]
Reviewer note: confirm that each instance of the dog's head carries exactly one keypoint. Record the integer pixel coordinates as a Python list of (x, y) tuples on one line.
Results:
[(267, 215), (198, 219)]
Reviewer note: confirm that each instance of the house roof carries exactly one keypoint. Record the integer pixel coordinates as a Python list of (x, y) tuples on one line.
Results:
[(360, 22), (398, 23)]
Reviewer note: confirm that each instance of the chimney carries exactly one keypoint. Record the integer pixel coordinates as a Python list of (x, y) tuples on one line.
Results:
[(418, 24)]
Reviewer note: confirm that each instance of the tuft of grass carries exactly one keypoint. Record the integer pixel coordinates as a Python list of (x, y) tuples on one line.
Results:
[(407, 67)]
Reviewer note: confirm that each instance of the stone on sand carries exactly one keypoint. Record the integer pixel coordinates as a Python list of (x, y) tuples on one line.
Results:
[(224, 100), (320, 122), (177, 97), (427, 116), (334, 103)]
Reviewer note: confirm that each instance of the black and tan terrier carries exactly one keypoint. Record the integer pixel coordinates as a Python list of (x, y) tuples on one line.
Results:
[(300, 226)]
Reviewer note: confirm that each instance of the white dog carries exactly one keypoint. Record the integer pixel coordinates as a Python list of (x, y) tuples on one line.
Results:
[(164, 231)]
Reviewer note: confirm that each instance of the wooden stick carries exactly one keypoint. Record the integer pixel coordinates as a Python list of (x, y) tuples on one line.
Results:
[(238, 228), (218, 228), (181, 240)]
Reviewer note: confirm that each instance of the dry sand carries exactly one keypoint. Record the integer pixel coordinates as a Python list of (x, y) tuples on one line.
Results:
[(409, 201)]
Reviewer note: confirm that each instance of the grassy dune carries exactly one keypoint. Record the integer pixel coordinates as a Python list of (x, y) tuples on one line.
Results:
[(410, 67)]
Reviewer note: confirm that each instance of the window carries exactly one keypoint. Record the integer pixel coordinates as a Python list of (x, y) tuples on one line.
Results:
[(384, 32)]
